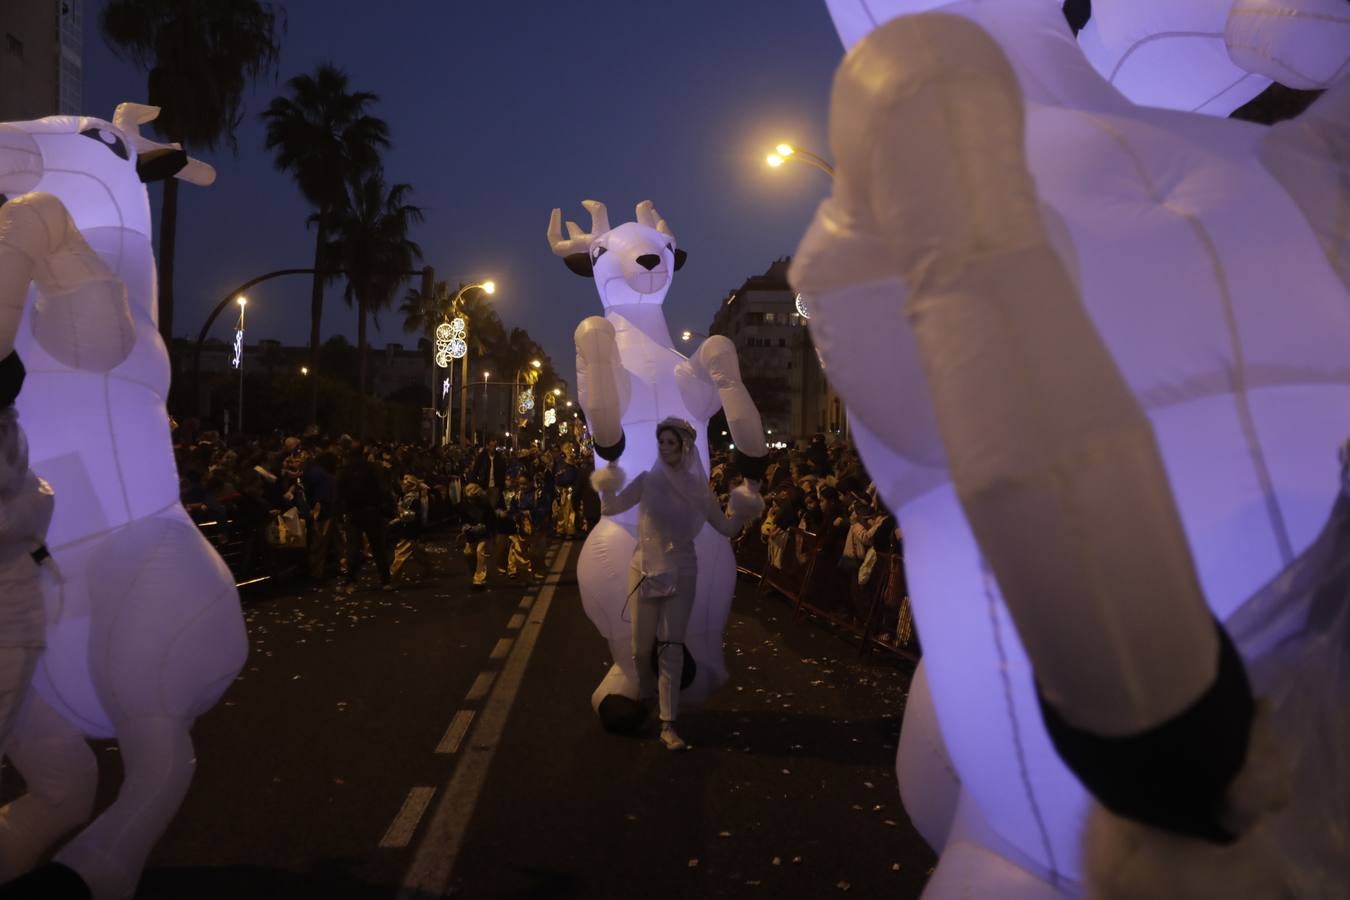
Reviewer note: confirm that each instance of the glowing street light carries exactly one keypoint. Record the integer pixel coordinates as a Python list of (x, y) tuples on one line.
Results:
[(787, 153), (304, 370), (238, 361), (536, 363)]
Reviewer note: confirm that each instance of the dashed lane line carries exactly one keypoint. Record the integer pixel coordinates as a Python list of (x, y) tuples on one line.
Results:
[(434, 860), (454, 735), (480, 687), (405, 823), (501, 648), (516, 621)]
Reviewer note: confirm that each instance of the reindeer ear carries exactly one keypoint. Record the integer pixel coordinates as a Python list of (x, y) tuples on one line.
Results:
[(680, 257), (579, 263)]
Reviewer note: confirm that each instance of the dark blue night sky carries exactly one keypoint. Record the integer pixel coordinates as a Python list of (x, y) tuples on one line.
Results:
[(501, 111)]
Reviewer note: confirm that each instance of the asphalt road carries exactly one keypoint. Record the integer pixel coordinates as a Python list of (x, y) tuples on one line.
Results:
[(436, 741)]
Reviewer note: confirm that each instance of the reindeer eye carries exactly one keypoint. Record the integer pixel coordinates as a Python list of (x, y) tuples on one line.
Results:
[(108, 139), (598, 252)]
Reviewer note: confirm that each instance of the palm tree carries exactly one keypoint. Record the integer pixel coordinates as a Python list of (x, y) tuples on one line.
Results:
[(200, 55), (371, 243), (323, 136)]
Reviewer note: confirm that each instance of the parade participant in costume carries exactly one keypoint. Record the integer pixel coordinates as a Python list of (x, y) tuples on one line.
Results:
[(144, 631), (1093, 353), (629, 378), (478, 520), (674, 501), (406, 526), (565, 474), (25, 511)]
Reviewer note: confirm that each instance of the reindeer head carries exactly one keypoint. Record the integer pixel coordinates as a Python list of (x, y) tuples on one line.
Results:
[(630, 264), (88, 162)]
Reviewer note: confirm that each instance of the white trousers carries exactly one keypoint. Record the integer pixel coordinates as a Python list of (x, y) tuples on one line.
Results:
[(663, 622)]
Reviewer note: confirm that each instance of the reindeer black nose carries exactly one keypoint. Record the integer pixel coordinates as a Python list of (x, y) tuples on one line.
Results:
[(649, 261)]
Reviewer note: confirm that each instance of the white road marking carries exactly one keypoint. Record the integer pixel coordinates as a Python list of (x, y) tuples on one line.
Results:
[(429, 874), (516, 621), (501, 648), (405, 823), (454, 735), (480, 687), (526, 602)]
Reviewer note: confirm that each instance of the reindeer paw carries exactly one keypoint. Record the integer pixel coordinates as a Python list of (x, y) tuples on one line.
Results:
[(52, 881)]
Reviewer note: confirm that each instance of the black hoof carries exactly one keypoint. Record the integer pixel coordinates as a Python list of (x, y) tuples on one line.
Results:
[(52, 881)]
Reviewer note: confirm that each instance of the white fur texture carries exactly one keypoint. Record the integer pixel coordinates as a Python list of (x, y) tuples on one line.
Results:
[(608, 480)]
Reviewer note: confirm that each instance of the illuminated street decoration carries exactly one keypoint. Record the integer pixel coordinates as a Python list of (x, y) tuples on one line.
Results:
[(802, 309), (458, 347), (238, 359), (526, 401), (550, 416), (443, 332), (1174, 388), (443, 358), (445, 388)]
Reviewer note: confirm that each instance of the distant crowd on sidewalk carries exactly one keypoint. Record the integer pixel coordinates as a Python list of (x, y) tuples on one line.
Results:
[(337, 504), (342, 503)]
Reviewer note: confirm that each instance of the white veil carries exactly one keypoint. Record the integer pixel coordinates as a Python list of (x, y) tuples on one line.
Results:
[(674, 507)]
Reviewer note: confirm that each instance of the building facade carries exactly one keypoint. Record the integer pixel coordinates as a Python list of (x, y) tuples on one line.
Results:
[(779, 363), (41, 59)]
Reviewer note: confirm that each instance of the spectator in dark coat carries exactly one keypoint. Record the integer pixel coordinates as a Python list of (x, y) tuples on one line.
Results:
[(488, 470), (364, 501)]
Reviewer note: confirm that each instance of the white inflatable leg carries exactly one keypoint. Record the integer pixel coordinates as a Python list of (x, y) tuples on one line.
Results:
[(62, 776), (929, 785), (975, 863), (110, 853)]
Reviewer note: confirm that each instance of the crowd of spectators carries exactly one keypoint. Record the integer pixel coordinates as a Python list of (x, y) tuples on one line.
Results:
[(338, 503)]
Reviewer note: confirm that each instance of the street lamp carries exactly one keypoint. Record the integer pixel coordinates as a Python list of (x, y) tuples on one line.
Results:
[(486, 375), (787, 153), (688, 335), (452, 342), (304, 370), (238, 360)]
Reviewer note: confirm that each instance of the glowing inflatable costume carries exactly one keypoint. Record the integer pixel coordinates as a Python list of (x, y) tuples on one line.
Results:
[(1095, 356), (145, 632), (630, 377)]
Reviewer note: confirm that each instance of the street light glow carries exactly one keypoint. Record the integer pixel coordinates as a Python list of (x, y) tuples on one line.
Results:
[(536, 363), (569, 402), (304, 370), (485, 375), (489, 287), (557, 392), (686, 335), (242, 300), (774, 160), (784, 150)]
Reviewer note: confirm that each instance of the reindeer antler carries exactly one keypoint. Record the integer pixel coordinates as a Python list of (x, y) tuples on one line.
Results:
[(577, 241), (647, 215)]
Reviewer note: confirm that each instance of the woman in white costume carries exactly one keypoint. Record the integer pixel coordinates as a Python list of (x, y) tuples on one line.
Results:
[(674, 501)]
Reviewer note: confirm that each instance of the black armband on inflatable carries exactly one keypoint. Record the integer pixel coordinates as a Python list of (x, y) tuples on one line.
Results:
[(11, 378), (613, 451), (1173, 776), (752, 467)]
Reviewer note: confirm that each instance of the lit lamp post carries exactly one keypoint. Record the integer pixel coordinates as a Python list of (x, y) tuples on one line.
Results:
[(238, 362), (456, 345), (523, 401), (549, 416), (486, 375), (787, 153)]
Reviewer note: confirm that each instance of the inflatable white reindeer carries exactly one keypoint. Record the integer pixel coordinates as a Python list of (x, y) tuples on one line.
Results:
[(1095, 355), (629, 378), (145, 631)]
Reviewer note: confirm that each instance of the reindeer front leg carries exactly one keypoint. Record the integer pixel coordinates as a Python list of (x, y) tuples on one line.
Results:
[(603, 385), (716, 366), (40, 244)]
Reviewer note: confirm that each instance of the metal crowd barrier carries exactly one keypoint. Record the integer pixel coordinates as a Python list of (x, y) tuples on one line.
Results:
[(800, 566)]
